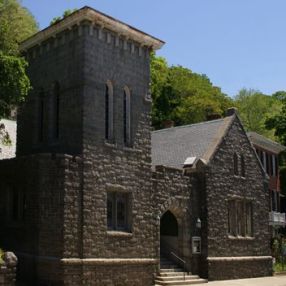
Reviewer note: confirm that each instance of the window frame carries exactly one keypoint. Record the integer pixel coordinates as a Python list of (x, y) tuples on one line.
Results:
[(108, 117), (240, 218), (126, 116), (112, 201)]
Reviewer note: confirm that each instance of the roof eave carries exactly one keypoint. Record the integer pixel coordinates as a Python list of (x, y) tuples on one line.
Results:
[(96, 17)]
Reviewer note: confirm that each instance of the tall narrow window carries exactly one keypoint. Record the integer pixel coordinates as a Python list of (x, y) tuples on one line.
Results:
[(248, 219), (235, 164), (242, 165), (126, 116), (239, 218), (41, 120), (108, 111), (231, 218), (57, 110)]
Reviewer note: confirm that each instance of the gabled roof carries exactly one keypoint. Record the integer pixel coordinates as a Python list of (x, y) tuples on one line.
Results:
[(172, 146), (265, 143), (98, 18), (5, 150)]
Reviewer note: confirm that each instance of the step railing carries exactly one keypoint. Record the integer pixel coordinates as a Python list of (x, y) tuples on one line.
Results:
[(182, 261)]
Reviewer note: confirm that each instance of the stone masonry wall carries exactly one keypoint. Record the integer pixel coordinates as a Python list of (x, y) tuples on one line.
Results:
[(222, 185), (109, 275), (37, 235), (58, 59), (173, 191), (235, 269)]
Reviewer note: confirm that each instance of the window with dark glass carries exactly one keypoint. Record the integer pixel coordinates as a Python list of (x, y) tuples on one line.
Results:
[(108, 111), (17, 204), (235, 164), (240, 218), (242, 163), (41, 120), (118, 211), (57, 111), (248, 219), (231, 218), (126, 116)]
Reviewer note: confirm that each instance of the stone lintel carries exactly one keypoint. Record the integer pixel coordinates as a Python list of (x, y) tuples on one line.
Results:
[(116, 187)]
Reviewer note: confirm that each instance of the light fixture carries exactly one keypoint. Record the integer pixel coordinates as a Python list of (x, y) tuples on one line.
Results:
[(198, 223)]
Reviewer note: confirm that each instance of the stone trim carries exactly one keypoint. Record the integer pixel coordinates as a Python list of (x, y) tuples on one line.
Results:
[(109, 261), (96, 17), (239, 258)]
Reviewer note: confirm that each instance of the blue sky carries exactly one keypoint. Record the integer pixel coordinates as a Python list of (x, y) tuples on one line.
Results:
[(236, 43)]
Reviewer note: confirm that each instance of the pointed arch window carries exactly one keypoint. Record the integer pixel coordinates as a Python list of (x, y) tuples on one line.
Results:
[(127, 116), (108, 110)]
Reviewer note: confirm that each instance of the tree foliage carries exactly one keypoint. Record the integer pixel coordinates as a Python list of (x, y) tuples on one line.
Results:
[(16, 24), (14, 83), (278, 120), (255, 108), (182, 95)]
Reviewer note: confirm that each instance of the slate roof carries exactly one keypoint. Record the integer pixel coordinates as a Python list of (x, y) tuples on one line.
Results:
[(9, 151), (265, 143), (172, 146)]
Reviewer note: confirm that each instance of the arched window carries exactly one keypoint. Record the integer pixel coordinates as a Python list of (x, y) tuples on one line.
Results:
[(108, 110), (235, 164), (56, 110), (126, 116), (242, 165)]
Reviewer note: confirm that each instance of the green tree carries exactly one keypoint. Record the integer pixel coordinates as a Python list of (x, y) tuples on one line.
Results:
[(255, 108), (183, 96), (277, 122), (16, 24)]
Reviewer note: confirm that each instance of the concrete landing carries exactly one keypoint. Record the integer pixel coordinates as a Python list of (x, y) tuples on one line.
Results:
[(279, 280)]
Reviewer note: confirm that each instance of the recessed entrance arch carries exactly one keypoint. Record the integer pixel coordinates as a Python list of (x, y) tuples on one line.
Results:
[(169, 233)]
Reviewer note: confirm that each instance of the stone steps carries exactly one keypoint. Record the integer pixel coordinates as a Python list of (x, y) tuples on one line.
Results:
[(172, 275)]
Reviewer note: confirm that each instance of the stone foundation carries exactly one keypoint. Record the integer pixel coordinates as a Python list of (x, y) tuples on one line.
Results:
[(110, 272), (225, 268)]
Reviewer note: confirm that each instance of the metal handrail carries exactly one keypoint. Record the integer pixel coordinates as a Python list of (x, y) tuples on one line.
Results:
[(182, 260)]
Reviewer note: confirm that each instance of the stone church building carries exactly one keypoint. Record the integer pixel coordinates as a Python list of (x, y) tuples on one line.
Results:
[(94, 197)]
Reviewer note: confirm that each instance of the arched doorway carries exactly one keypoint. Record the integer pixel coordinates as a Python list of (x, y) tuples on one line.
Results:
[(169, 232)]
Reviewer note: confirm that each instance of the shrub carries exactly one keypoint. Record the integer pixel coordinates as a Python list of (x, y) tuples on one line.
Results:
[(1, 256)]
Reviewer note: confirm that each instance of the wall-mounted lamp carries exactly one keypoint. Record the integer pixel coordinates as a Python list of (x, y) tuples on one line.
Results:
[(198, 223)]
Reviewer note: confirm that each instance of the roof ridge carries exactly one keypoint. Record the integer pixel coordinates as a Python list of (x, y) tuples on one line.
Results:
[(189, 125)]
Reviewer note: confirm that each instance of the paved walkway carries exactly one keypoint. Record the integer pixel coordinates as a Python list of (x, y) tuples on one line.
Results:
[(279, 280)]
